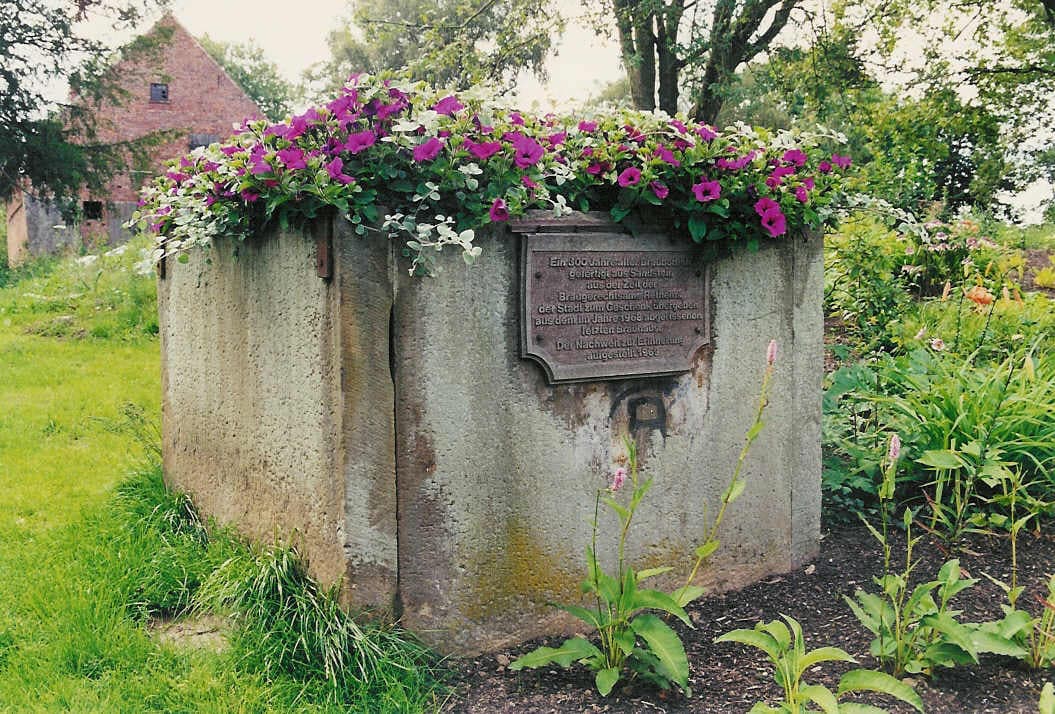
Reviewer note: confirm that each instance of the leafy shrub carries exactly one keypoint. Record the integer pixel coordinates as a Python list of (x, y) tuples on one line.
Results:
[(864, 285), (785, 647), (961, 422), (109, 295)]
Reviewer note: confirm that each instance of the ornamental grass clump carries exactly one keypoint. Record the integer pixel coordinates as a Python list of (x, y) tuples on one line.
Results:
[(447, 164), (632, 638)]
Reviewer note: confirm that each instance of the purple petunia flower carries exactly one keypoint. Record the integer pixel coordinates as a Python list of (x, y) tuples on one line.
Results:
[(359, 141), (448, 106), (528, 151), (763, 205), (802, 194), (666, 155), (292, 158), (707, 191), (629, 177), (587, 126), (825, 167), (334, 169), (773, 221), (428, 150), (795, 157), (499, 211), (843, 162), (484, 150), (660, 189), (706, 133)]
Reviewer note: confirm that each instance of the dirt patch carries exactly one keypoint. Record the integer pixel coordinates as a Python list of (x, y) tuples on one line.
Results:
[(207, 632), (729, 678), (1036, 260)]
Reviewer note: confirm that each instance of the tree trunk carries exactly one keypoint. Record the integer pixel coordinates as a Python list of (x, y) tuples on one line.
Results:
[(637, 47)]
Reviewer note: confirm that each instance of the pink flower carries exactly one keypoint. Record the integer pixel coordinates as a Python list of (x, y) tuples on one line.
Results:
[(679, 126), (595, 169), (795, 157), (557, 139), (802, 194), (763, 205), (618, 478), (293, 158), (334, 170), (359, 141), (771, 353), (666, 155), (485, 149), (515, 118), (774, 222), (428, 150), (448, 106), (773, 181), (894, 453), (843, 162), (528, 151), (629, 177), (526, 180), (808, 183), (825, 167), (937, 344), (587, 126), (660, 189), (706, 133), (707, 191), (499, 211), (249, 196), (386, 110)]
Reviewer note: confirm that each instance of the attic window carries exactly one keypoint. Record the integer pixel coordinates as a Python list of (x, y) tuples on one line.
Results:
[(159, 92), (197, 140), (93, 210)]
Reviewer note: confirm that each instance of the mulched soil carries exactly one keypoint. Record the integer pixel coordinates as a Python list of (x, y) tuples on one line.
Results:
[(731, 678)]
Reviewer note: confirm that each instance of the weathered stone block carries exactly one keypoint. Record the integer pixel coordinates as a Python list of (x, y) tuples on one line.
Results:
[(391, 422)]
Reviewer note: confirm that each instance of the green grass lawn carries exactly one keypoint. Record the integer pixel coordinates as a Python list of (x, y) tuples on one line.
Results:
[(85, 563)]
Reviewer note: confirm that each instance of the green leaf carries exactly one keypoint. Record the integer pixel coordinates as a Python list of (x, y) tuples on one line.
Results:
[(657, 600), (590, 617), (735, 489), (991, 642), (605, 679), (653, 572), (619, 509), (697, 227), (941, 459), (823, 654), (1047, 699), (705, 550), (867, 680), (822, 697), (626, 640), (572, 650), (762, 640), (618, 213), (666, 646), (683, 596), (855, 708)]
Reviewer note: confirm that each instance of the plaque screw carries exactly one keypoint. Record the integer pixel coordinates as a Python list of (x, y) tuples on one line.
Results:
[(699, 273), (698, 330), (538, 276), (538, 339)]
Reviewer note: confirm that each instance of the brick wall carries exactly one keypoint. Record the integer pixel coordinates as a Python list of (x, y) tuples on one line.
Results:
[(202, 100)]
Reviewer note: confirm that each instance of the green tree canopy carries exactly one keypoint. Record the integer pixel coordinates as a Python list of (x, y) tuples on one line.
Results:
[(259, 77), (43, 43), (444, 42)]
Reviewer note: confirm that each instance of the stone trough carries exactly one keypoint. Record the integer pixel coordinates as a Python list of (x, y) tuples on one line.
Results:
[(437, 444)]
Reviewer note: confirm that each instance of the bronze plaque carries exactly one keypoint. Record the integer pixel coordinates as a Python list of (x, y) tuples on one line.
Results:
[(611, 306)]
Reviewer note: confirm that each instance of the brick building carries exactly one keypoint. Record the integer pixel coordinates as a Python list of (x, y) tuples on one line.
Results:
[(179, 89)]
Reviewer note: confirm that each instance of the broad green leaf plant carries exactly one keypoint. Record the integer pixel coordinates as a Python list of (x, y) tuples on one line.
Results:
[(785, 647), (632, 639)]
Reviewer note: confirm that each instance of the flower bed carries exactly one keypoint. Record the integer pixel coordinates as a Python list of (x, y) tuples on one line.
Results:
[(447, 164)]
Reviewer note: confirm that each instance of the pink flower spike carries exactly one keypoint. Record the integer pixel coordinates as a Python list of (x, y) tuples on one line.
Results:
[(895, 448), (618, 478), (771, 353), (629, 177), (428, 151), (499, 211)]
